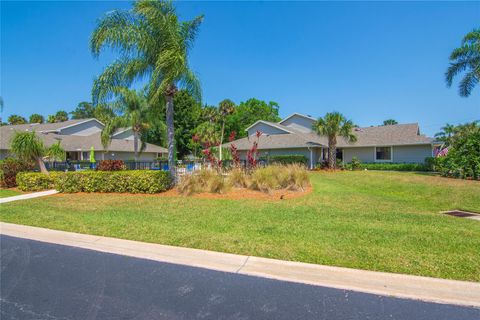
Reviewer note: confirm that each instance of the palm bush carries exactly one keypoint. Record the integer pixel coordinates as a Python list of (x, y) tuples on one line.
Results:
[(30, 148)]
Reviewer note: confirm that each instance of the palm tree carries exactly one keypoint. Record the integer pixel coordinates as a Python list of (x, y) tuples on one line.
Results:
[(135, 113), (446, 134), (332, 125), (154, 45), (225, 108), (466, 59), (28, 147)]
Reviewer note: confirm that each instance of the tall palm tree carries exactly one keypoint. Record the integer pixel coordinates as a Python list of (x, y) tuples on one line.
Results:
[(332, 125), (134, 112), (28, 147), (154, 45), (446, 134), (225, 108), (466, 59)]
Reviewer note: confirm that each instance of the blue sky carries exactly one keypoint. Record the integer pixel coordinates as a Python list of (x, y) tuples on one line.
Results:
[(368, 60)]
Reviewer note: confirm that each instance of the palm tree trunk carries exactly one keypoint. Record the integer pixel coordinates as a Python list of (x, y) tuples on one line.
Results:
[(41, 165), (332, 152), (170, 135), (221, 141)]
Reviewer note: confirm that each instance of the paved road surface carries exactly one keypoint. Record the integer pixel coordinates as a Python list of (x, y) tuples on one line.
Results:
[(46, 281)]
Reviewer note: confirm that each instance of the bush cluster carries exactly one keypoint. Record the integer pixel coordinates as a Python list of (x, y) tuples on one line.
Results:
[(266, 179), (289, 159), (111, 165), (393, 166), (138, 181), (9, 168)]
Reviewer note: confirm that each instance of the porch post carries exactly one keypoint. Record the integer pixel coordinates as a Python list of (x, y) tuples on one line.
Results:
[(311, 158), (81, 155)]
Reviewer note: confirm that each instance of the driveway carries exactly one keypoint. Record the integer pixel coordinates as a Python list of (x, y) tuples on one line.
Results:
[(48, 281)]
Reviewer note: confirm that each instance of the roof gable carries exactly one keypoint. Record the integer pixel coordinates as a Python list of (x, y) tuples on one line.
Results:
[(274, 128), (299, 122)]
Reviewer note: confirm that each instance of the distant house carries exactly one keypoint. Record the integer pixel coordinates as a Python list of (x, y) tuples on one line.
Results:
[(401, 143), (77, 137)]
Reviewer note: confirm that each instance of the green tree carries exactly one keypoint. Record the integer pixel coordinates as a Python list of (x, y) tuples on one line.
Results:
[(16, 119), (84, 110), (465, 59), (153, 45), (446, 134), (103, 113), (135, 113), (28, 147), (36, 118), (51, 118), (334, 125), (225, 108), (389, 122), (61, 116), (248, 112)]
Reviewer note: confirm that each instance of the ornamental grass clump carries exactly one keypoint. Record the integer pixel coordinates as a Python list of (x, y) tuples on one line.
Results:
[(238, 178), (203, 181), (289, 177)]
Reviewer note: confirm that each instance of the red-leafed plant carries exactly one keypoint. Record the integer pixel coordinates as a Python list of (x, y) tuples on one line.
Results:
[(252, 154), (111, 165), (234, 150)]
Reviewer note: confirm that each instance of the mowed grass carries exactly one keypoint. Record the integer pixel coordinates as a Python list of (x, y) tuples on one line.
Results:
[(384, 221), (9, 193)]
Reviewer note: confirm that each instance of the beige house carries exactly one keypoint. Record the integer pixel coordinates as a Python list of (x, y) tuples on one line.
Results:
[(401, 143), (77, 137)]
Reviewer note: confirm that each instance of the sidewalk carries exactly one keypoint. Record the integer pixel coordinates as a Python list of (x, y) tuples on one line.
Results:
[(381, 283), (28, 196)]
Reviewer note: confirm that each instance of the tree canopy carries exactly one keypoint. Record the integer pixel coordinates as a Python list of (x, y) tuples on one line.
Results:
[(465, 60), (16, 119), (36, 118), (389, 122)]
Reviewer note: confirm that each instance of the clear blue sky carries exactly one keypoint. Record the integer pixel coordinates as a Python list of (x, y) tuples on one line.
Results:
[(370, 61)]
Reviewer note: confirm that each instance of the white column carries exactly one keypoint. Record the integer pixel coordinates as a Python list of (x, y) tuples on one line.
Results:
[(311, 158), (81, 155)]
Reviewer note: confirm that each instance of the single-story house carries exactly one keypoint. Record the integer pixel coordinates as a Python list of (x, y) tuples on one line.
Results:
[(77, 137), (400, 143)]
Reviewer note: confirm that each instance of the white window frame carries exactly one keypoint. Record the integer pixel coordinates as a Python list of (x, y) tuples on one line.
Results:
[(381, 160)]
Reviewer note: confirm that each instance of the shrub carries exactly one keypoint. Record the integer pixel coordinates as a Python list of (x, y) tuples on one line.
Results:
[(238, 178), (34, 181), (395, 166), (289, 159), (9, 169), (111, 165), (203, 181), (292, 177), (355, 164), (139, 181)]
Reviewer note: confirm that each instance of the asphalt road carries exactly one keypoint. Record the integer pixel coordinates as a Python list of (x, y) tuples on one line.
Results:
[(46, 281)]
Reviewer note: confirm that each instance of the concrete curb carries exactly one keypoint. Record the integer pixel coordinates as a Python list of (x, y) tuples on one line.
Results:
[(389, 284), (28, 196)]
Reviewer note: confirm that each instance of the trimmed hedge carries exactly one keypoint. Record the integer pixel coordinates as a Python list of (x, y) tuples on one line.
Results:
[(138, 181), (289, 159), (395, 166)]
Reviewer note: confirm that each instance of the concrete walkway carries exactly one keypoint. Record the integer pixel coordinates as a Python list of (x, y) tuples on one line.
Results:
[(28, 196), (388, 284)]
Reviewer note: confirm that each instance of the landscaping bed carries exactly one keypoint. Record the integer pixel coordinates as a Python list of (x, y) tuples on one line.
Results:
[(374, 220)]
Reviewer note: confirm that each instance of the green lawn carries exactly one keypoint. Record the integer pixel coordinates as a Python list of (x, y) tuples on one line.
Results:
[(9, 193), (386, 221)]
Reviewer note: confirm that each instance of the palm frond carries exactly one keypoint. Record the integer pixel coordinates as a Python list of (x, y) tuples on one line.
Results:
[(467, 84)]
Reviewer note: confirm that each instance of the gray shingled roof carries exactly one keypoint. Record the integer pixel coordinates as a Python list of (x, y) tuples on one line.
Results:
[(70, 142), (401, 134)]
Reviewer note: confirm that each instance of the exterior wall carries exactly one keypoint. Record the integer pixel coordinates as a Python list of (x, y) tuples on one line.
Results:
[(364, 154), (83, 129), (293, 151), (264, 128), (126, 156), (127, 135), (299, 123), (411, 154), (401, 154)]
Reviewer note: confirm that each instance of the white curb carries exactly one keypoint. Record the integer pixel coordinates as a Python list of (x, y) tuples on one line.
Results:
[(28, 196)]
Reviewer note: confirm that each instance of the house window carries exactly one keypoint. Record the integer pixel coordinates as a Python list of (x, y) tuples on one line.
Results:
[(339, 154), (383, 154)]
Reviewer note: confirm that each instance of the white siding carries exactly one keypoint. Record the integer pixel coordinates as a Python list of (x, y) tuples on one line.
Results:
[(127, 135), (364, 154), (145, 156), (265, 129), (411, 154), (83, 129), (299, 123)]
